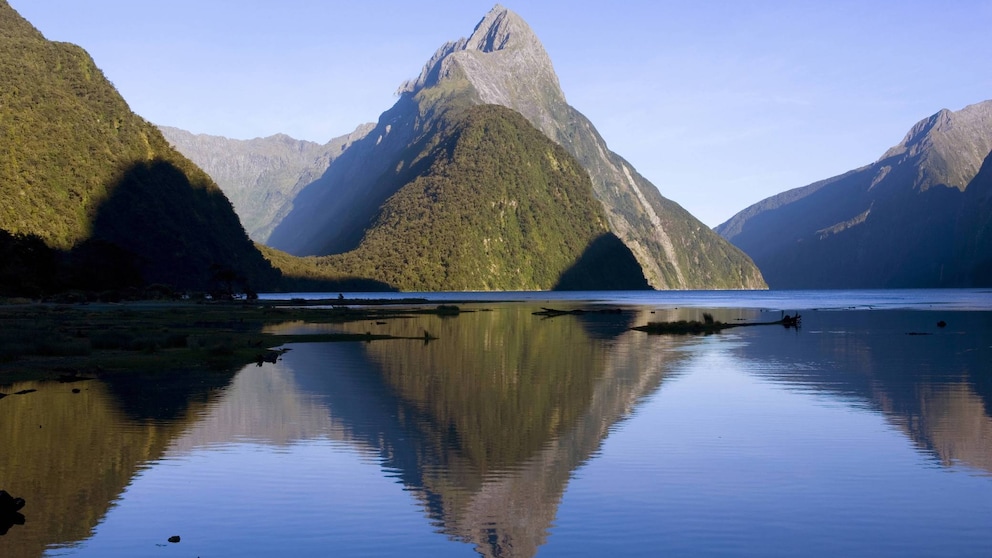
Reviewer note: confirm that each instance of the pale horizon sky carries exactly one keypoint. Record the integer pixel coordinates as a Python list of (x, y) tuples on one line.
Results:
[(719, 104)]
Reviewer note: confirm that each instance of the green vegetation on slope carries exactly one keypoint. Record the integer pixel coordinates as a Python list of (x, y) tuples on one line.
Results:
[(500, 207), (77, 167)]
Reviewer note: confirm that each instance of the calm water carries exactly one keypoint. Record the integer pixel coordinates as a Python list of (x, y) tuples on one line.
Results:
[(865, 433)]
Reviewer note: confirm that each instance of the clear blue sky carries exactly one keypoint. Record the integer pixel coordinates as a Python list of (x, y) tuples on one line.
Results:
[(719, 103)]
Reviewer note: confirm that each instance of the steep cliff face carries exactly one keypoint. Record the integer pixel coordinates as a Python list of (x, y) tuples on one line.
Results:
[(88, 177), (503, 63), (917, 217), (261, 176)]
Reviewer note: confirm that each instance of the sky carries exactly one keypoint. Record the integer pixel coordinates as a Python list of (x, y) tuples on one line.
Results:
[(719, 103)]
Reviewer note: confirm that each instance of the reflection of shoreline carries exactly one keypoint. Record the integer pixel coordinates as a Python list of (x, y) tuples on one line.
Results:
[(71, 455), (933, 385)]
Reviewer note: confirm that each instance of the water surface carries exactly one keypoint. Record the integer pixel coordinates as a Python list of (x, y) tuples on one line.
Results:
[(866, 432)]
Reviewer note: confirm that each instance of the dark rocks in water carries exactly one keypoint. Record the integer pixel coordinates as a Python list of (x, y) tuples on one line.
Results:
[(9, 504), (10, 511), (174, 539), (941, 323), (271, 356)]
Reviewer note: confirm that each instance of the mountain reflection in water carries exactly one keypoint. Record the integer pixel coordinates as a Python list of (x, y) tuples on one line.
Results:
[(484, 427), (934, 383), (486, 424)]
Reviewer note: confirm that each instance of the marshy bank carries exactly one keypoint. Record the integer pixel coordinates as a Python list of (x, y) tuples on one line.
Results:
[(44, 339)]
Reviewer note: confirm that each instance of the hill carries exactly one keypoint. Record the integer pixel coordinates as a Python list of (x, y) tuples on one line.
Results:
[(91, 195), (917, 217)]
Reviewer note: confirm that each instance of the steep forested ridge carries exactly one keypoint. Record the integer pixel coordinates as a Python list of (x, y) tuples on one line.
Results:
[(495, 206), (90, 179)]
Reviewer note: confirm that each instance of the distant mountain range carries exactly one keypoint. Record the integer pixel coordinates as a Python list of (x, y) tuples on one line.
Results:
[(91, 195), (501, 63), (920, 216), (261, 176)]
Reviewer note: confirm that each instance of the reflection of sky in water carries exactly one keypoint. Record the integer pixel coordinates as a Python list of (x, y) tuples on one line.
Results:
[(314, 498), (724, 460), (761, 441)]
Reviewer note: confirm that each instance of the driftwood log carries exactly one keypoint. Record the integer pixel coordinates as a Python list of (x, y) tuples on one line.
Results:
[(709, 325)]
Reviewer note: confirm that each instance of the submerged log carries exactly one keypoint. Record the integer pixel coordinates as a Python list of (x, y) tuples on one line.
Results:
[(552, 312), (709, 325)]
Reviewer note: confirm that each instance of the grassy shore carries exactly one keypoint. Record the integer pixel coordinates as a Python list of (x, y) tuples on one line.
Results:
[(67, 339)]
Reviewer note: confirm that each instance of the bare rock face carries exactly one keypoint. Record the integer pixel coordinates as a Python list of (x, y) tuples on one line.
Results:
[(948, 147)]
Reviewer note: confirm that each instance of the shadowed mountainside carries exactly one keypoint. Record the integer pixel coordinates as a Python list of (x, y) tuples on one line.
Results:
[(917, 217), (261, 176)]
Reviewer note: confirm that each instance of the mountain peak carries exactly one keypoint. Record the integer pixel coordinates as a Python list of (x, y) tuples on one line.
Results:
[(500, 29), (501, 48), (953, 144)]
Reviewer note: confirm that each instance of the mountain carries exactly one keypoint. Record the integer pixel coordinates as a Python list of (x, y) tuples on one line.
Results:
[(500, 207), (917, 217), (92, 192), (503, 63), (260, 176)]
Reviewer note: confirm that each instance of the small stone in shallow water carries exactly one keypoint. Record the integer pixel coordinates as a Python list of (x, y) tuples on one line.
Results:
[(174, 539)]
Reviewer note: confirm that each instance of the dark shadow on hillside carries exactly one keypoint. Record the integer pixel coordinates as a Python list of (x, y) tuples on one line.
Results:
[(179, 233), (155, 227), (607, 264), (330, 215)]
